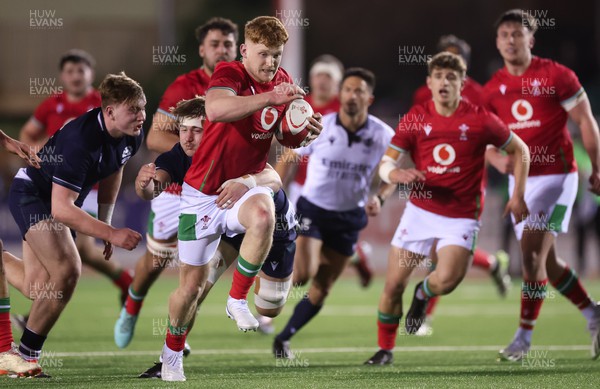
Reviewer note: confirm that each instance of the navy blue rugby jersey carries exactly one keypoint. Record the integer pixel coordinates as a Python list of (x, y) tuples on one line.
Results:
[(80, 154)]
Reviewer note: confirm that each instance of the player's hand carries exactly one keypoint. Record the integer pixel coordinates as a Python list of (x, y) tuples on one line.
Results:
[(285, 93), (406, 176), (108, 250), (595, 183), (125, 238), (517, 207), (229, 193), (373, 206), (314, 128), (22, 150), (146, 174)]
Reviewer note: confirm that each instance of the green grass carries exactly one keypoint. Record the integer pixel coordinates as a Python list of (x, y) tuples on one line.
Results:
[(469, 327)]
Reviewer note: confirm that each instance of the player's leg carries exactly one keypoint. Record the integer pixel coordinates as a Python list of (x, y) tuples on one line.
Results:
[(254, 213), (496, 265), (453, 263), (401, 263), (535, 246), (331, 265), (566, 281), (11, 362), (159, 254), (360, 261), (224, 257), (53, 247), (306, 260)]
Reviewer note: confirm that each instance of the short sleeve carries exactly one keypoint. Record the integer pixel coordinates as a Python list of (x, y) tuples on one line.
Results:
[(165, 162), (497, 133), (404, 137), (175, 92), (568, 88), (227, 76), (72, 167), (41, 113)]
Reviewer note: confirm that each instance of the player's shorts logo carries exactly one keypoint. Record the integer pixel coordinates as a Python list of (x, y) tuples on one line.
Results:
[(268, 118), (522, 110), (444, 154)]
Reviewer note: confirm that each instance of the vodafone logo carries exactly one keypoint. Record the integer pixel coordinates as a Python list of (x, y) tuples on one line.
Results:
[(444, 154), (522, 110), (268, 118)]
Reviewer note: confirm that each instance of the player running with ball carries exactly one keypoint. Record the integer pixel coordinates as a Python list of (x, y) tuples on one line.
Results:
[(243, 101)]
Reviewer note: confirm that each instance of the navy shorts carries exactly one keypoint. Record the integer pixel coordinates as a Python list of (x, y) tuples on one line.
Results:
[(337, 229), (279, 262), (28, 206)]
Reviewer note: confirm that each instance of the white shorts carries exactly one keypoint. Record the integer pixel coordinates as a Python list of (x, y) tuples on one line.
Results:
[(293, 192), (419, 230), (201, 223), (90, 203), (550, 202), (163, 220)]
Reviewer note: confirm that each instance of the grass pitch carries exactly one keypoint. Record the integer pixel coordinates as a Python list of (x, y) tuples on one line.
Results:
[(470, 326)]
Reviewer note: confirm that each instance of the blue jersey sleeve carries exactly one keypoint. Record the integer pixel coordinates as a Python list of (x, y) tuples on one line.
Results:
[(72, 164), (175, 162)]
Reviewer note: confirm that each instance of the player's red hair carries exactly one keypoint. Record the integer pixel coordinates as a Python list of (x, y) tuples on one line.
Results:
[(267, 30)]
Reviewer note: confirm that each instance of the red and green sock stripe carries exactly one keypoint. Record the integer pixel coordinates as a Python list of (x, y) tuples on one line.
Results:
[(387, 329), (243, 278)]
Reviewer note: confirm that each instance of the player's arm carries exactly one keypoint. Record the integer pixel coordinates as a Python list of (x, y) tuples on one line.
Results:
[(223, 105), (151, 182), (519, 153), (391, 169), (232, 190), (286, 165), (163, 133), (499, 160), (269, 178), (33, 134), (65, 211), (581, 114), (376, 201), (20, 149)]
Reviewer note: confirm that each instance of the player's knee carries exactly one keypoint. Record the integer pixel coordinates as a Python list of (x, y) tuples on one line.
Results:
[(394, 290), (263, 219), (270, 296), (448, 282), (300, 278)]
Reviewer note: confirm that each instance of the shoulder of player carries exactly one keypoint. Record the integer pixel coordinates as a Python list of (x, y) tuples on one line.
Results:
[(380, 127), (549, 65)]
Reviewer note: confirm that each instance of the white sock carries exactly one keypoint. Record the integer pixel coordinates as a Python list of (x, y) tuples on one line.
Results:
[(524, 334), (589, 312)]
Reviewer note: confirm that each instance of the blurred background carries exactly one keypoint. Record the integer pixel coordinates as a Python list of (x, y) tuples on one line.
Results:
[(124, 35)]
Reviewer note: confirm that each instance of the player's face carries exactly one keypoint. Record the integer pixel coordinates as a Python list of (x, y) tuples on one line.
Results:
[(76, 78), (260, 61), (323, 86), (128, 117), (514, 42), (189, 138), (445, 85), (355, 96), (217, 47)]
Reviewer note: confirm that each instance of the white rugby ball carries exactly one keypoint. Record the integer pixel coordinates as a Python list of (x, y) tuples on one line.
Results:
[(291, 131)]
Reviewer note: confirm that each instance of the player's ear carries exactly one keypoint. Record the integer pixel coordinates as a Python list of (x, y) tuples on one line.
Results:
[(243, 50), (428, 82), (201, 50), (531, 42)]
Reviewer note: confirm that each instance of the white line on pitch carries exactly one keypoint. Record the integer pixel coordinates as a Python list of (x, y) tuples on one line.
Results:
[(312, 350)]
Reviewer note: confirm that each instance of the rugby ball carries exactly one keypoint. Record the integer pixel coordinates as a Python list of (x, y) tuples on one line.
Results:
[(291, 130)]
